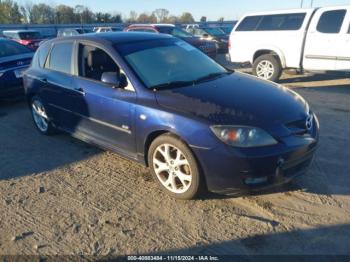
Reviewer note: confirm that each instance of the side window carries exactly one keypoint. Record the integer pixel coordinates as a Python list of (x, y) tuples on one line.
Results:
[(331, 21), (282, 22), (61, 57), (249, 23), (42, 54), (93, 62)]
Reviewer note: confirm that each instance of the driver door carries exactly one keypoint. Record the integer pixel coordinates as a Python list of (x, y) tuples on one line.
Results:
[(109, 114)]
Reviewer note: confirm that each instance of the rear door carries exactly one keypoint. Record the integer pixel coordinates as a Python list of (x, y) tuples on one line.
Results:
[(59, 94), (343, 56), (322, 42)]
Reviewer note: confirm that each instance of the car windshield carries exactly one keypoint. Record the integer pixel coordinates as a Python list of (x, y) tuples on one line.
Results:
[(29, 35), (9, 48), (177, 32), (214, 31), (169, 63), (226, 30)]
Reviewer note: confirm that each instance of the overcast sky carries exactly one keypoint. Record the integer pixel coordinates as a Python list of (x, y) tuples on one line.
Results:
[(213, 9)]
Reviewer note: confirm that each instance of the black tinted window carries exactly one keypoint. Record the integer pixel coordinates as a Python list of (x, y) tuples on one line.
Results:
[(281, 22), (29, 35), (249, 23), (61, 57), (331, 21), (9, 48)]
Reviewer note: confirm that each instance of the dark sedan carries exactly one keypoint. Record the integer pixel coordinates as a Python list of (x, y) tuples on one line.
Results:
[(214, 34), (206, 46), (160, 101), (14, 59)]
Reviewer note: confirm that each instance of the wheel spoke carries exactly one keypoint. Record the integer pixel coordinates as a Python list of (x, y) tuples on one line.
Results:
[(160, 166), (184, 178)]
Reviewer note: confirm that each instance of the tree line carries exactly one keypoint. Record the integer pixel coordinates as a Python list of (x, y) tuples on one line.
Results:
[(28, 13)]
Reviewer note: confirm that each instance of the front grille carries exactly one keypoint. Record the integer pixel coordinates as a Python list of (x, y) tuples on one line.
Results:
[(297, 127), (291, 171)]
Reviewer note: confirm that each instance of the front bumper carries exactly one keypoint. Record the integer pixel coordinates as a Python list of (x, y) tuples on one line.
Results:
[(233, 171)]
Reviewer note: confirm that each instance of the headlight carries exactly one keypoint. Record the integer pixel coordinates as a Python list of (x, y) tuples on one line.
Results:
[(243, 136), (1, 73)]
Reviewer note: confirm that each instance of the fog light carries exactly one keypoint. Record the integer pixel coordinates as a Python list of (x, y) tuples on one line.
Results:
[(250, 181)]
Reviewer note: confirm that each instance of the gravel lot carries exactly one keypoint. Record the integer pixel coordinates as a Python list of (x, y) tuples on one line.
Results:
[(61, 196)]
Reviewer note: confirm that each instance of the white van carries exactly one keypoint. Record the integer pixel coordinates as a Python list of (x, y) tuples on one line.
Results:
[(302, 39)]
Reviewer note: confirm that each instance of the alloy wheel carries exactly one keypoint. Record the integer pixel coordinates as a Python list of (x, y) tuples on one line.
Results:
[(40, 116), (265, 69), (172, 168)]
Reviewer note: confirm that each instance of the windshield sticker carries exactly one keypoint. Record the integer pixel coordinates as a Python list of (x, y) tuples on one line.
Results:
[(185, 46)]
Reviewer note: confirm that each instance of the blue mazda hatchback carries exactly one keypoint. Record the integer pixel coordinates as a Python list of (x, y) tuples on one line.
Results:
[(157, 100)]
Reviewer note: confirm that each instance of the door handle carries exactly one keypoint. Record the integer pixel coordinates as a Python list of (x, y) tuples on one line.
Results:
[(80, 90)]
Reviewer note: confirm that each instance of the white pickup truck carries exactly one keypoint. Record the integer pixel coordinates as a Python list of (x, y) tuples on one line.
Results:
[(303, 39)]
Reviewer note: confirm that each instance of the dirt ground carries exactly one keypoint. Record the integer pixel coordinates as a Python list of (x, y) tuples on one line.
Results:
[(61, 196)]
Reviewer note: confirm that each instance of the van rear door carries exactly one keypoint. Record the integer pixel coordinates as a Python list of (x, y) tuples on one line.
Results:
[(322, 42)]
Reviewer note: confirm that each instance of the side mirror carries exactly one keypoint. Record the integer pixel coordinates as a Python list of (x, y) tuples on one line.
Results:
[(112, 78)]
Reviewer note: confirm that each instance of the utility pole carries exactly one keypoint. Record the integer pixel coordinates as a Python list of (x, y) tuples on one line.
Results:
[(301, 3), (312, 3)]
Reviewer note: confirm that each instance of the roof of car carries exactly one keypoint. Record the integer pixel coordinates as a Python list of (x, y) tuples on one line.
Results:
[(116, 37), (20, 31), (152, 25)]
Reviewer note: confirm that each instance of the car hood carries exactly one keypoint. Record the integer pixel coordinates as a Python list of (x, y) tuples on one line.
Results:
[(237, 99), (196, 41)]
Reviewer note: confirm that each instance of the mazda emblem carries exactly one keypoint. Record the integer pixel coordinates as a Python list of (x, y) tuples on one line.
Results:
[(308, 122)]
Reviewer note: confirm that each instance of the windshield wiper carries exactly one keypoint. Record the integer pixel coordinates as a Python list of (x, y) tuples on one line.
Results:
[(211, 77), (170, 85)]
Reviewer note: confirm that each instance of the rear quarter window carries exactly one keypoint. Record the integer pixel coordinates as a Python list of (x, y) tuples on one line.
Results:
[(249, 23), (278, 22), (42, 54)]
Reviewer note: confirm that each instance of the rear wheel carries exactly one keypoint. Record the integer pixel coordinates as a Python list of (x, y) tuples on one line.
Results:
[(267, 67), (41, 120), (174, 167)]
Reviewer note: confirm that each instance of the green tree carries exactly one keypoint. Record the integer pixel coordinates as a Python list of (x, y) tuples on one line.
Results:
[(10, 12), (132, 17), (145, 18), (65, 15), (203, 19), (43, 14), (161, 14), (187, 18)]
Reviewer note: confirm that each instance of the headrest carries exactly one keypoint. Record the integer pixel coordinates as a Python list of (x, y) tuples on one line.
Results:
[(97, 58)]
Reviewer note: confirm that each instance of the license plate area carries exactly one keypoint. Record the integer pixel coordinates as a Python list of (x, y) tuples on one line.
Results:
[(19, 72)]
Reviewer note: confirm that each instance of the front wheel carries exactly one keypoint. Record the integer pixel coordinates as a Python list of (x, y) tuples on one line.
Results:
[(174, 167), (267, 67), (41, 120)]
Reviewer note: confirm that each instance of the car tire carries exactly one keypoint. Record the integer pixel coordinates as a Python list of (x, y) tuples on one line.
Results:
[(40, 118), (179, 174), (267, 67)]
